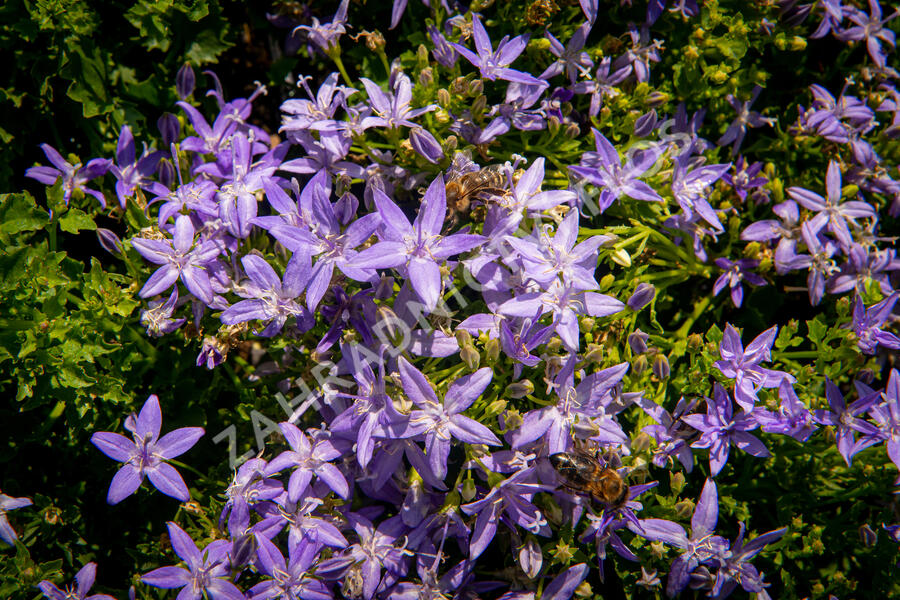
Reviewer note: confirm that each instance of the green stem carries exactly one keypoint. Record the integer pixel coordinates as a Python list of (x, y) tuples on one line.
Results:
[(335, 55), (699, 309)]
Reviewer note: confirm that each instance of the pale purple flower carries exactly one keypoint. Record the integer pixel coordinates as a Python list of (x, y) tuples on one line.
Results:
[(157, 317), (84, 580), (579, 411), (604, 169), (566, 303), (440, 420), (887, 416), (145, 455), (702, 547), (571, 58), (720, 428), (181, 258), (871, 28), (316, 113), (73, 176), (736, 569), (8, 503), (847, 419), (377, 551), (690, 188), (268, 298), (307, 459), (207, 572), (641, 53), (744, 365), (830, 210), (326, 36), (735, 133), (494, 64), (793, 418), (131, 172), (868, 322), (602, 84), (509, 501), (419, 247), (735, 273), (746, 177), (287, 579)]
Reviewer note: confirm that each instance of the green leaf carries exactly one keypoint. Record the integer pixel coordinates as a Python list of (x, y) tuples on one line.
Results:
[(75, 220), (91, 83), (18, 213)]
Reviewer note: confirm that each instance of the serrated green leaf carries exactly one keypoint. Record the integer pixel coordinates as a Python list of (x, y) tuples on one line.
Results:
[(75, 220), (18, 213)]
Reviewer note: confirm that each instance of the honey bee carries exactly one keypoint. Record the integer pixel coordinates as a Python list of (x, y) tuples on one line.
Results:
[(463, 189), (583, 473)]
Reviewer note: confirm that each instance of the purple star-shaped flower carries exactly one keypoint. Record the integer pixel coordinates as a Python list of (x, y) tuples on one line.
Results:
[(604, 169), (307, 460), (494, 64), (440, 420), (132, 172), (720, 428), (180, 258), (207, 572), (703, 546), (868, 322), (83, 582), (73, 176), (735, 133), (847, 419), (145, 454), (268, 298), (419, 247), (743, 365), (735, 273)]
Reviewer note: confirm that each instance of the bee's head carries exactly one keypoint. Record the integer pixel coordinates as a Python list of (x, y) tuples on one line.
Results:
[(560, 460)]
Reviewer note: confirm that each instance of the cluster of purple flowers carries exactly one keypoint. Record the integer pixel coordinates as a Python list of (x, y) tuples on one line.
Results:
[(445, 463)]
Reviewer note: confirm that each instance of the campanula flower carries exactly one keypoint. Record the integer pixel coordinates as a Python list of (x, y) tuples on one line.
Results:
[(84, 580), (145, 455)]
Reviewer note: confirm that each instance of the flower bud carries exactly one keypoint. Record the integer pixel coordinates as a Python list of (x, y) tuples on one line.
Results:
[(492, 350), (606, 281), (642, 296), (166, 172), (443, 97), (676, 482), (867, 535), (694, 343), (661, 366), (645, 124), (621, 257), (519, 389), (476, 87), (463, 338), (450, 144), (638, 341), (459, 86), (584, 590), (594, 354), (421, 54), (656, 98), (185, 81), (243, 551), (639, 365), (470, 356), (586, 324), (495, 408), (479, 104), (109, 241), (553, 125), (426, 77), (685, 508), (468, 490), (169, 128), (572, 131), (531, 558)]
